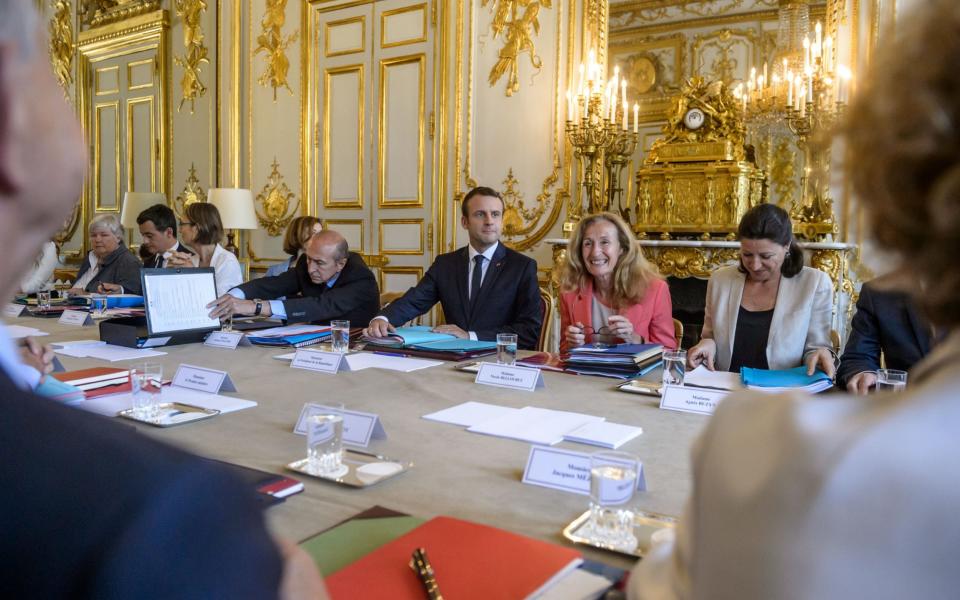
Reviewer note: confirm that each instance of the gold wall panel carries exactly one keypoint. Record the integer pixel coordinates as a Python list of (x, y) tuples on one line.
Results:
[(140, 74), (401, 124), (346, 36), (106, 156), (351, 229), (402, 26), (107, 80), (343, 169), (398, 279), (401, 236), (141, 144)]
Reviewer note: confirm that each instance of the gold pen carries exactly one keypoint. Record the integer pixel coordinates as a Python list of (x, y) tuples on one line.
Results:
[(424, 570)]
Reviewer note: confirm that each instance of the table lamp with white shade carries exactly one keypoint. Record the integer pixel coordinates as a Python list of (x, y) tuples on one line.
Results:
[(236, 211), (135, 203)]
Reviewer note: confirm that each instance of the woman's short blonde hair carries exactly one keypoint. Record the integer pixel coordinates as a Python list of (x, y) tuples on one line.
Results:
[(298, 232), (903, 132), (633, 273)]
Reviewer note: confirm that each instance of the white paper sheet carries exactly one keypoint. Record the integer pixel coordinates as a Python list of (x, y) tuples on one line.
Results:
[(111, 405), (575, 585), (288, 330), (17, 332), (469, 414), (106, 352), (404, 364), (178, 302), (603, 434), (534, 425), (721, 380)]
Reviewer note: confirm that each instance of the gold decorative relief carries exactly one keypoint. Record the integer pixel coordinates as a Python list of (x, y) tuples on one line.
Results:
[(517, 218), (69, 226), (783, 173), (724, 66), (278, 202), (191, 11), (95, 13), (192, 192), (61, 42), (518, 32), (274, 46), (690, 262)]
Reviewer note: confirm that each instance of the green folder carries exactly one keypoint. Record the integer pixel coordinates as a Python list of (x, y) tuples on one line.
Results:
[(341, 545)]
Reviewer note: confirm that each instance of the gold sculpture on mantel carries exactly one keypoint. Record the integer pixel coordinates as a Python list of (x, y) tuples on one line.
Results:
[(700, 177)]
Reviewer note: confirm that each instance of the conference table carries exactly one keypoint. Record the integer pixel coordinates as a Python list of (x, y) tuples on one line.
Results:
[(455, 473)]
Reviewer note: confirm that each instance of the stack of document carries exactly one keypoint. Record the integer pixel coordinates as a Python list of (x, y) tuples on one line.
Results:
[(623, 361), (297, 336), (785, 380), (102, 350), (715, 380), (97, 381), (422, 341)]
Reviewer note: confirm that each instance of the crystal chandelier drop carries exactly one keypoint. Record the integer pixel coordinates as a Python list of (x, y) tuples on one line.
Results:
[(792, 29)]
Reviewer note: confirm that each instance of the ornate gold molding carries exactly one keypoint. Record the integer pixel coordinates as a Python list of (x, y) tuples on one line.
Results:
[(95, 13), (279, 203), (61, 45), (191, 11), (272, 43), (518, 220), (518, 38), (69, 226), (691, 262), (192, 192)]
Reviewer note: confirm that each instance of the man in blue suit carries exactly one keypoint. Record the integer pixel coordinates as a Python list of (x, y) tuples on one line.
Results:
[(885, 322), (92, 509), (484, 288)]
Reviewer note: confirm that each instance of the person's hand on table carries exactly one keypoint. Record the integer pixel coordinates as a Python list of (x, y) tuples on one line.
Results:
[(379, 328), (37, 355), (861, 383), (451, 330), (300, 579), (110, 288), (822, 358), (622, 328), (228, 305), (180, 259), (75, 291), (703, 353), (574, 334)]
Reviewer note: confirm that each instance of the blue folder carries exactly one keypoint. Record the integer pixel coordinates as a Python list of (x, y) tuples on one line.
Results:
[(796, 377)]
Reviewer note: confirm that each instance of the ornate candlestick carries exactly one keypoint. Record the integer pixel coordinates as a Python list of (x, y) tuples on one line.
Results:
[(622, 144)]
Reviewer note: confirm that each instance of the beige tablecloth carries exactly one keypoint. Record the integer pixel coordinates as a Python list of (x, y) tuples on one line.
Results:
[(456, 473)]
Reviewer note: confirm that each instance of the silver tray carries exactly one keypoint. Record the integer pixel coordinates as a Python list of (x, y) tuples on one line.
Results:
[(363, 468), (641, 386), (644, 526), (172, 414)]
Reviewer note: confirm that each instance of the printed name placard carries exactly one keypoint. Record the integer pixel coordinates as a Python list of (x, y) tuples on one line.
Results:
[(75, 317), (203, 380), (691, 399), (512, 377), (13, 310), (358, 427), (226, 339), (317, 360), (566, 470)]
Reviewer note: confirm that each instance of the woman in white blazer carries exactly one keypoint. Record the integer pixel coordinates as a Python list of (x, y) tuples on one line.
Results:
[(202, 230), (770, 311)]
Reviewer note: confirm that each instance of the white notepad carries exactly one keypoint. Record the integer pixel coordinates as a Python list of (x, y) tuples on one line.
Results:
[(534, 425), (469, 414), (604, 434), (111, 405)]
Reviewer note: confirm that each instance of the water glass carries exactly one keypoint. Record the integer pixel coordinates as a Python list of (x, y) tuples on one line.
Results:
[(43, 300), (146, 380), (325, 441), (226, 323), (891, 380), (506, 349), (340, 336), (613, 479), (98, 305), (674, 365)]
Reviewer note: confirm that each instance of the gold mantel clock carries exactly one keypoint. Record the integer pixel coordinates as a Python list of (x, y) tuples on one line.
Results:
[(699, 178)]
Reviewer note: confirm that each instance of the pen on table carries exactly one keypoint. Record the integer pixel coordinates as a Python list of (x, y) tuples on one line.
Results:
[(389, 354), (421, 565)]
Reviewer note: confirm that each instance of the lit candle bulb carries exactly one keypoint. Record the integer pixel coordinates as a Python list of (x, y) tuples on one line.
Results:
[(569, 105), (636, 117), (623, 89), (806, 53), (828, 51), (624, 115)]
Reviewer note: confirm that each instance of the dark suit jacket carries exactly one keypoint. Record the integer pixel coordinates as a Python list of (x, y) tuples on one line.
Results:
[(509, 300), (92, 509), (354, 296), (884, 322), (120, 266), (156, 261)]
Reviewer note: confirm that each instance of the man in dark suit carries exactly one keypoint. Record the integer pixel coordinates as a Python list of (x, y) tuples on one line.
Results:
[(158, 228), (328, 282), (484, 288), (93, 509), (885, 322)]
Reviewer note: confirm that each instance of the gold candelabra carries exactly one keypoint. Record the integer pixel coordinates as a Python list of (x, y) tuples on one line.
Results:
[(620, 149)]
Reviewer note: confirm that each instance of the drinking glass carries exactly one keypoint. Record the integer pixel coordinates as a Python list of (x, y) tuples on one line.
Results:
[(226, 323), (613, 479), (891, 380), (340, 336), (506, 349), (146, 380), (674, 365), (98, 305), (43, 300), (325, 441)]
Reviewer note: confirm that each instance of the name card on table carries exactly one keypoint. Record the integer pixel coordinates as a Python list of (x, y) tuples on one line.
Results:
[(565, 470), (203, 380), (512, 377), (226, 339), (13, 310), (75, 317), (358, 427), (689, 399), (317, 360)]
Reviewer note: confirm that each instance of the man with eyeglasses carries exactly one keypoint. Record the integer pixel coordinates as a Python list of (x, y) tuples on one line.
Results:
[(328, 282)]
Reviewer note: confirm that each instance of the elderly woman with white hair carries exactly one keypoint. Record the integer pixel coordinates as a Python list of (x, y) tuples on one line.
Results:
[(110, 267)]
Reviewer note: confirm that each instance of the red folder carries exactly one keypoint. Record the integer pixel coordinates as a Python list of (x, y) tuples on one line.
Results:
[(469, 561), (97, 381)]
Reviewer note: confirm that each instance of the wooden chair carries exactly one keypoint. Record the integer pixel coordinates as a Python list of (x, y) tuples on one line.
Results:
[(546, 309), (678, 332), (388, 297)]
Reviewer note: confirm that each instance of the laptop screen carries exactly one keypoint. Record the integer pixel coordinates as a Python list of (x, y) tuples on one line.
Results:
[(176, 299)]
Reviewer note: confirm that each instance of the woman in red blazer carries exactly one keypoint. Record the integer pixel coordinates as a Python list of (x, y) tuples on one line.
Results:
[(609, 289)]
